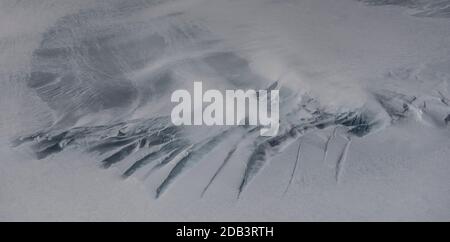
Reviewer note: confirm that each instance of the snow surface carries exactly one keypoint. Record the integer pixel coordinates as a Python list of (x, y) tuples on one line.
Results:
[(86, 85)]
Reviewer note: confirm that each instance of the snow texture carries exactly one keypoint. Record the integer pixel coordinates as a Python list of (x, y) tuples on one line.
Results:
[(85, 130)]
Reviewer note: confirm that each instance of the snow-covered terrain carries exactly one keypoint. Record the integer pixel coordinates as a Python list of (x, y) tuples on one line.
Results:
[(85, 130)]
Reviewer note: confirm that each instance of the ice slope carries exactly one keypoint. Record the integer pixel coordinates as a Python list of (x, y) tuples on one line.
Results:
[(364, 112)]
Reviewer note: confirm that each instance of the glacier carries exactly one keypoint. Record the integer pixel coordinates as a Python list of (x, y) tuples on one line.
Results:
[(364, 110)]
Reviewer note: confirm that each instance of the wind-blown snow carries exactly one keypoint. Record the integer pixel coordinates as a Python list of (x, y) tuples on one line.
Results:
[(364, 110)]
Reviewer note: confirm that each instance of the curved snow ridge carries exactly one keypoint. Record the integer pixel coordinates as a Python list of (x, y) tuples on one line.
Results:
[(143, 148), (83, 63), (104, 65), (421, 8)]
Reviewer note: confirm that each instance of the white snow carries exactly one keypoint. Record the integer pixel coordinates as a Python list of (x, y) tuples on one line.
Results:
[(339, 52)]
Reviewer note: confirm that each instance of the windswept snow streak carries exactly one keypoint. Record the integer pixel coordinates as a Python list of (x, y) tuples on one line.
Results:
[(224, 163), (422, 8), (297, 160), (341, 160)]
